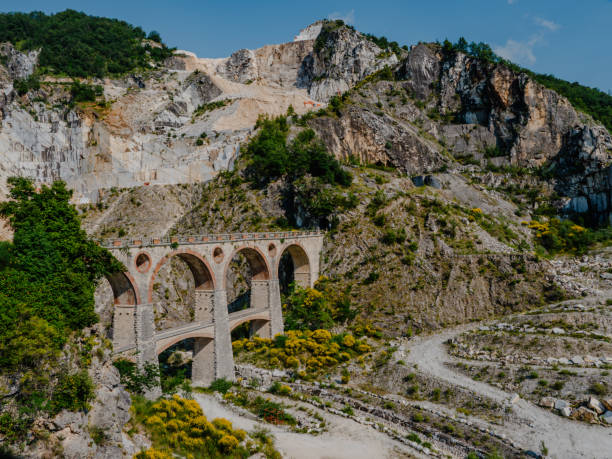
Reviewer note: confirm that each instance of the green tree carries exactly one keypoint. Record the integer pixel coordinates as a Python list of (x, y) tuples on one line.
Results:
[(50, 270)]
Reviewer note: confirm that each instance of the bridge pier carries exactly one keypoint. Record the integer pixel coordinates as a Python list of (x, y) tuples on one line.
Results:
[(259, 293), (224, 358), (145, 343), (261, 328), (276, 308), (204, 305), (124, 328), (203, 362)]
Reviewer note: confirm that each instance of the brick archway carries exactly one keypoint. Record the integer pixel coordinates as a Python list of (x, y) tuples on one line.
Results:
[(301, 263), (125, 290), (200, 269), (256, 259)]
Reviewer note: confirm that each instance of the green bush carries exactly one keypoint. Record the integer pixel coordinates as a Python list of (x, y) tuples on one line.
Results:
[(52, 268), (494, 152), (270, 157), (312, 175), (221, 385), (81, 92), (394, 236), (25, 85), (598, 388), (315, 308), (137, 380), (72, 393)]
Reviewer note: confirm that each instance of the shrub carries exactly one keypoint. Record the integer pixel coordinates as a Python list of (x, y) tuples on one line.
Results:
[(137, 380), (85, 93), (316, 308), (279, 389), (598, 388), (28, 84), (73, 392), (272, 412), (271, 157), (221, 385), (177, 426), (558, 236), (558, 385), (393, 236), (48, 275)]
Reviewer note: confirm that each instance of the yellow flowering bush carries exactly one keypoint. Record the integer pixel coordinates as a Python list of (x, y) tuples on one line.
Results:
[(228, 442), (178, 425), (321, 335), (557, 235), (314, 350), (348, 341), (153, 453)]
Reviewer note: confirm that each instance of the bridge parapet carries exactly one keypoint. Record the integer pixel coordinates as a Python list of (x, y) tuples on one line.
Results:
[(117, 243)]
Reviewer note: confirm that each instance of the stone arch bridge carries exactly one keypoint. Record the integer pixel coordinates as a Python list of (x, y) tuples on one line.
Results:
[(208, 258)]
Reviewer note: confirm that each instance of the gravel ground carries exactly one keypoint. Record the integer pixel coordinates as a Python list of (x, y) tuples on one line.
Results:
[(345, 439)]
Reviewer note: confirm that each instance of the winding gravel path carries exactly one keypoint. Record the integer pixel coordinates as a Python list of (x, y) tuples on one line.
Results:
[(564, 439)]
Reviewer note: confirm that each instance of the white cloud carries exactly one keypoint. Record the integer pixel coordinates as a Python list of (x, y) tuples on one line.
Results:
[(348, 18), (520, 52), (550, 25)]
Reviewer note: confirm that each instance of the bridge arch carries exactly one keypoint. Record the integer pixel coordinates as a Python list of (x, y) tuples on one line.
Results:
[(256, 260), (260, 318), (255, 279), (124, 288), (300, 261), (200, 269), (163, 344)]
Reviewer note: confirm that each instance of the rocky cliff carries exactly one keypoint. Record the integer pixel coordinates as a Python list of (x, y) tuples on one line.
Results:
[(181, 123), (184, 121), (445, 106)]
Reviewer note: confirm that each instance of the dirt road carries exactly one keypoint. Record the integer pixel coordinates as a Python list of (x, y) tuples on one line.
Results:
[(565, 439)]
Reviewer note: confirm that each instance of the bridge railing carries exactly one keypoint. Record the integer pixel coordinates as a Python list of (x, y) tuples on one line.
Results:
[(204, 238)]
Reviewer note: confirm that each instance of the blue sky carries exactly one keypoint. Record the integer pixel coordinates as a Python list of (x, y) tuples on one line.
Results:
[(570, 39)]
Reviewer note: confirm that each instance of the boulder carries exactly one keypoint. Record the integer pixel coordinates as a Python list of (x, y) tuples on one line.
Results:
[(577, 360), (560, 404), (566, 412), (595, 405), (547, 402), (607, 417), (558, 331), (607, 402), (68, 419), (584, 414), (433, 182)]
